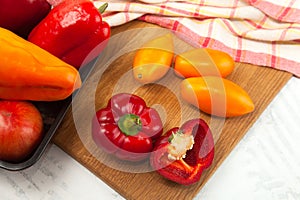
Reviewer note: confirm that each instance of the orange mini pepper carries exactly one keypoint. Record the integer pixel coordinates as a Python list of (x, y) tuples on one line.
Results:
[(27, 72), (216, 96), (154, 59), (203, 62)]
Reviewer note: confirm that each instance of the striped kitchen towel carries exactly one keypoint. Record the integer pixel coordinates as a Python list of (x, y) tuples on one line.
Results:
[(260, 32)]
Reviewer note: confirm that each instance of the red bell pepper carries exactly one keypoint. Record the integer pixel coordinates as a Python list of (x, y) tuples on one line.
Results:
[(182, 154), (127, 127), (73, 31)]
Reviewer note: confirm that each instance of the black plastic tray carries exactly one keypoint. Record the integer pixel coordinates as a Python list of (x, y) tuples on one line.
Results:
[(53, 114)]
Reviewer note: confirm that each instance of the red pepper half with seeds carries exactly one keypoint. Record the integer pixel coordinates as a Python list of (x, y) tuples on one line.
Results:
[(183, 153), (127, 127), (73, 31)]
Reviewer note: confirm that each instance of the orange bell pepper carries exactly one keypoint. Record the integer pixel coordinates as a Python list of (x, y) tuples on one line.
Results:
[(216, 96), (203, 62), (154, 59), (28, 72)]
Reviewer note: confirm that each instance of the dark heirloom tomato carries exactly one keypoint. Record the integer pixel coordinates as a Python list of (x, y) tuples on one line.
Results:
[(22, 16), (183, 153), (126, 127)]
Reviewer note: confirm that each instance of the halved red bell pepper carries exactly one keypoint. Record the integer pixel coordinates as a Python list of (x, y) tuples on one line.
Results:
[(182, 154), (127, 127), (73, 31)]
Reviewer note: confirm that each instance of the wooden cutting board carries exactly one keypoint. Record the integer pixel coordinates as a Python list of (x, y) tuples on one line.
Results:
[(112, 75)]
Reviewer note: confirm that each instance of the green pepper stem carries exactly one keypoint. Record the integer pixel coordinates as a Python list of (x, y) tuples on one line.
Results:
[(103, 8), (130, 124)]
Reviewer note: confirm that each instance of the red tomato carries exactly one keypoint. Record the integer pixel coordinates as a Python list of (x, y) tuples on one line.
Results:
[(20, 130)]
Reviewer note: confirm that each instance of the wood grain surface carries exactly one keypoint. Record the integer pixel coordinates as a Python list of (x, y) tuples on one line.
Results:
[(112, 74)]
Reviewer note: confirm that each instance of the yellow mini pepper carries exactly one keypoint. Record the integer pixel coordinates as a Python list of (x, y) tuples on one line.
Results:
[(154, 59)]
